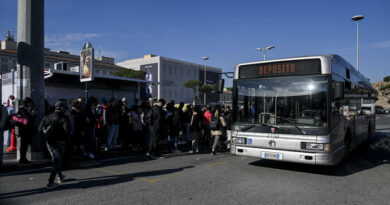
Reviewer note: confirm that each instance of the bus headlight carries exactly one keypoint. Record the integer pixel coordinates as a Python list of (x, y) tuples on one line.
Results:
[(238, 140), (315, 146)]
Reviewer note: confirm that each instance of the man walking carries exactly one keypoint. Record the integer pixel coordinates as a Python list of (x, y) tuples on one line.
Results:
[(56, 130)]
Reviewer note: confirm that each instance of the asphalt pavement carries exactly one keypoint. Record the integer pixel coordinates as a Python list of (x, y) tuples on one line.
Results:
[(182, 178)]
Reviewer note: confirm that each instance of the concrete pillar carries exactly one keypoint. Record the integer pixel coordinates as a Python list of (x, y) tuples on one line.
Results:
[(30, 64)]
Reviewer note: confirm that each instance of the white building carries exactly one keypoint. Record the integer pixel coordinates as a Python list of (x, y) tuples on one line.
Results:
[(172, 74)]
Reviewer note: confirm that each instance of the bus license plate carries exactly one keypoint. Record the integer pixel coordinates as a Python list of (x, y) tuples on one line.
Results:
[(271, 155)]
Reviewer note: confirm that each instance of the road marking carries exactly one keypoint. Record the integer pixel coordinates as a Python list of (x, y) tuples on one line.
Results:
[(215, 164), (146, 179)]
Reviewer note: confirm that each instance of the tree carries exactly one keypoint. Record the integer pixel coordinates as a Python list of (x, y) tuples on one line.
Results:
[(129, 73), (194, 85), (230, 89), (386, 89)]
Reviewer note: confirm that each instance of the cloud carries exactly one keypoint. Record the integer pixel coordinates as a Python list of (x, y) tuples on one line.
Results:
[(383, 44), (68, 42)]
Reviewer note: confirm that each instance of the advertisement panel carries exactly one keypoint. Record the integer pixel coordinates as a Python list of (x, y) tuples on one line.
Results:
[(151, 75), (87, 65)]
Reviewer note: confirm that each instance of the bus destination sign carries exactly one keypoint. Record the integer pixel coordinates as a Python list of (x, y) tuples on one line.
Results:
[(282, 68)]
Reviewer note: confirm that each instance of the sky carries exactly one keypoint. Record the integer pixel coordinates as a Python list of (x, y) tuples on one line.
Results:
[(226, 31)]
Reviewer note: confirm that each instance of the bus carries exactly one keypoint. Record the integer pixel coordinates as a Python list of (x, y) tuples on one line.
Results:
[(311, 109)]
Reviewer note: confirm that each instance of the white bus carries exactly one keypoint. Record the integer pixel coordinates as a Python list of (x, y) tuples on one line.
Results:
[(313, 110)]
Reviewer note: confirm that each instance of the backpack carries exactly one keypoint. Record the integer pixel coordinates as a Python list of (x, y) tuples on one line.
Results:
[(215, 123), (49, 129), (148, 118)]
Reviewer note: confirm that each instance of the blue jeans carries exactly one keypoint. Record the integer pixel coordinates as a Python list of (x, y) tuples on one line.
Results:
[(112, 136), (174, 141)]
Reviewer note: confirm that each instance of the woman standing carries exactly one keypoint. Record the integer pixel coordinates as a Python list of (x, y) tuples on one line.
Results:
[(27, 130), (217, 126)]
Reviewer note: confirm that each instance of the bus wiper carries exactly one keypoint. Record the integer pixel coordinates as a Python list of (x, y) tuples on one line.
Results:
[(252, 126), (293, 124)]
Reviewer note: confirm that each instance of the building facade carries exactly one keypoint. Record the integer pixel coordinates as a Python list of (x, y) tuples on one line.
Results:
[(383, 98), (62, 80), (172, 74)]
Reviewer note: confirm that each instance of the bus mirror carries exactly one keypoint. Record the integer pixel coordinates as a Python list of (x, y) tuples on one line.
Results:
[(338, 90), (221, 83)]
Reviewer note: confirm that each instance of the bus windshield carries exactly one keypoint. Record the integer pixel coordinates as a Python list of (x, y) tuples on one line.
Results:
[(283, 103)]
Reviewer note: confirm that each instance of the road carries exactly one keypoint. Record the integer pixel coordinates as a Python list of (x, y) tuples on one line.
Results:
[(204, 179)]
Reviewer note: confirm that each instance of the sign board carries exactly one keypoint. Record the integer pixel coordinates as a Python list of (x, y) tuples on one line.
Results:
[(8, 85), (282, 68), (87, 65), (151, 75)]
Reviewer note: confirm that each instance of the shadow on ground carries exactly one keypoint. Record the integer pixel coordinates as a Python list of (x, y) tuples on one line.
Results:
[(367, 156), (93, 182)]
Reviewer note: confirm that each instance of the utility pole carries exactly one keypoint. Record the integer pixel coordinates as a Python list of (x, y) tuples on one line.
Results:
[(30, 65)]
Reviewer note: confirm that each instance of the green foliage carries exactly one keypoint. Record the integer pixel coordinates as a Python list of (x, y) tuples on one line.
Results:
[(193, 84), (386, 87), (129, 73), (386, 79), (207, 88), (229, 89)]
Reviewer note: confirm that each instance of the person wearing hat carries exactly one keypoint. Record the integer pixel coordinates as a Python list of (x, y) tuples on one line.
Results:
[(55, 127)]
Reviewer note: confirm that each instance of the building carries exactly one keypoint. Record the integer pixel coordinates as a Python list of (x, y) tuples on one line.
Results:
[(227, 98), (172, 74), (62, 76), (383, 98)]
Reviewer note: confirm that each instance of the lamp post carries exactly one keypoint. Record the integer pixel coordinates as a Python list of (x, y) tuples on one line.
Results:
[(204, 79), (265, 50), (357, 18)]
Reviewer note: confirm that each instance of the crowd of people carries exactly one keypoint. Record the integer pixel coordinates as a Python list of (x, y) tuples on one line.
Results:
[(112, 126)]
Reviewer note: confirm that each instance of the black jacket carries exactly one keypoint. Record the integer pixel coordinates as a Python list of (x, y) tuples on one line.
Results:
[(62, 128)]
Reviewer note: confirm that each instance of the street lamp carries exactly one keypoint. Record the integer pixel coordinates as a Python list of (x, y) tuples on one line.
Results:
[(265, 50), (357, 18), (204, 79)]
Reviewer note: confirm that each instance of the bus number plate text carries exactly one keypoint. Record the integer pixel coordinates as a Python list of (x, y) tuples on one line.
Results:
[(271, 155)]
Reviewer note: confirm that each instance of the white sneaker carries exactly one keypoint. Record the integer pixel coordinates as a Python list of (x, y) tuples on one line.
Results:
[(61, 179)]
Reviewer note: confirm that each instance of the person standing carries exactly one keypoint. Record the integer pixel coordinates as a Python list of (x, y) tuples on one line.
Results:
[(124, 124), (217, 126), (11, 112), (3, 120), (112, 120), (206, 125), (187, 121), (55, 128), (77, 125), (196, 130), (26, 129), (91, 119), (158, 116)]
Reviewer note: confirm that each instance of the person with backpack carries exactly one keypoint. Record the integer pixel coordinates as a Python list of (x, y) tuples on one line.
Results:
[(217, 126), (156, 123), (55, 128)]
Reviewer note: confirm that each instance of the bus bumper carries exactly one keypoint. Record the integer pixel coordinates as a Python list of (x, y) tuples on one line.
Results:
[(282, 155)]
